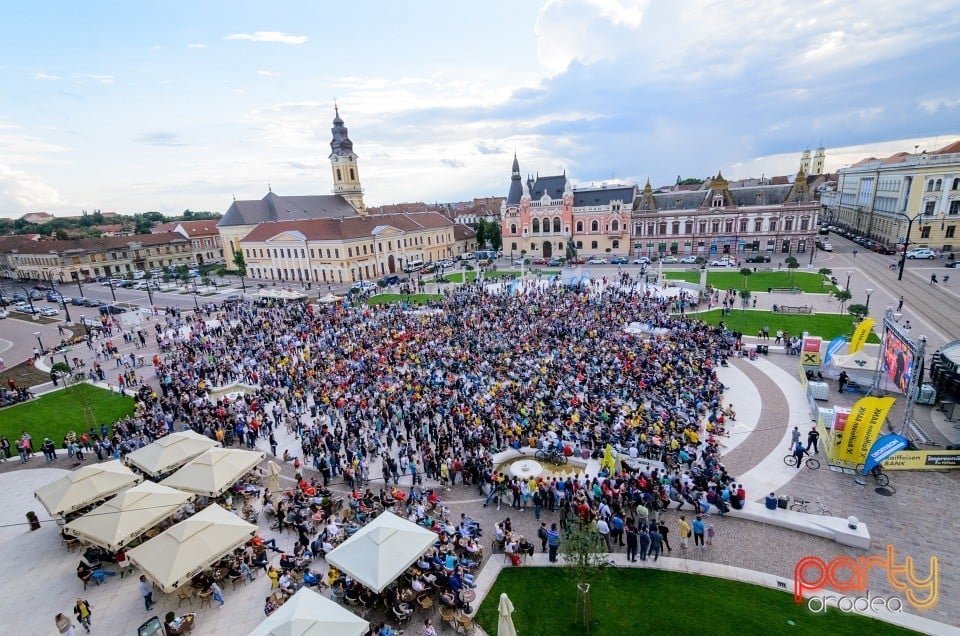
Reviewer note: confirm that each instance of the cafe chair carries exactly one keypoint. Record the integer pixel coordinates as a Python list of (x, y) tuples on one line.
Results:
[(205, 598), (425, 601), (184, 594)]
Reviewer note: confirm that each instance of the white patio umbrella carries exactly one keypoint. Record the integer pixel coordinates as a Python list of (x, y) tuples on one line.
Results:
[(307, 613), (381, 551), (505, 622), (213, 472), (273, 477), (128, 515), (174, 556), (85, 486), (169, 453), (329, 298)]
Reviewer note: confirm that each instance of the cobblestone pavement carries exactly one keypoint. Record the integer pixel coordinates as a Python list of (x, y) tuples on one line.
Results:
[(909, 520)]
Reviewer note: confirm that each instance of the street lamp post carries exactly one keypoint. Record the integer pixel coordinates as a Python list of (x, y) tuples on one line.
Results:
[(150, 296), (869, 293), (63, 302), (847, 288), (112, 293), (33, 311), (906, 241), (37, 334), (86, 329), (76, 276)]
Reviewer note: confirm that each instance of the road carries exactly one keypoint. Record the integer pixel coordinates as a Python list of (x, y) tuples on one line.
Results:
[(933, 310)]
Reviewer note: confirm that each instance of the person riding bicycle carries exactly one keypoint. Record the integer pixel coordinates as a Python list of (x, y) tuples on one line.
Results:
[(798, 452)]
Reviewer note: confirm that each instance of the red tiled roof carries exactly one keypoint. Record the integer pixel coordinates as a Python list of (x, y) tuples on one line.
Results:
[(349, 228)]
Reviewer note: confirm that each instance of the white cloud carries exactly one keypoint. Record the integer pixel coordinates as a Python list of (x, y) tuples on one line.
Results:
[(268, 73), (95, 77), (933, 105), (22, 191), (268, 36), (196, 46), (45, 76), (586, 30)]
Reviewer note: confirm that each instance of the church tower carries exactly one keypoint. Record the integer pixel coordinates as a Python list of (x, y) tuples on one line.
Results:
[(819, 159), (343, 162), (805, 161)]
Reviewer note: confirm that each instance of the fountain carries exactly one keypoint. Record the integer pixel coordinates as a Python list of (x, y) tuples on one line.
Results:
[(526, 469)]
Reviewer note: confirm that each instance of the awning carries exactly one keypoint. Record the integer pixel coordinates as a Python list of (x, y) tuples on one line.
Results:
[(382, 550), (169, 453), (85, 486), (174, 556), (306, 613), (128, 515), (213, 472)]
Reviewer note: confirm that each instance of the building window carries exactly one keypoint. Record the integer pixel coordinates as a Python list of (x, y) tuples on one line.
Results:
[(557, 224), (772, 224), (663, 228), (788, 225), (594, 226), (615, 245), (513, 228), (715, 227), (743, 226), (728, 227), (939, 185), (352, 177), (703, 227), (579, 226), (535, 226), (930, 185), (593, 245), (339, 178), (615, 226), (513, 247), (950, 231), (579, 245), (650, 227), (929, 207), (637, 229), (676, 227), (956, 184), (688, 227), (955, 207), (804, 224), (925, 232)]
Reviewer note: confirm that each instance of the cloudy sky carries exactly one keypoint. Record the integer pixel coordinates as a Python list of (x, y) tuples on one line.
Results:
[(166, 106)]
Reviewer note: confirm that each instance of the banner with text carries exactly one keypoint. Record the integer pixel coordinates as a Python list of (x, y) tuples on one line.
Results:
[(863, 427), (882, 448), (860, 334)]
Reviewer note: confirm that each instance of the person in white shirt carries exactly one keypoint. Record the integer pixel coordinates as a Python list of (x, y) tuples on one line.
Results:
[(604, 529)]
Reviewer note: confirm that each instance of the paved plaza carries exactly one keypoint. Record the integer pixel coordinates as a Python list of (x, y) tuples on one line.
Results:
[(918, 520)]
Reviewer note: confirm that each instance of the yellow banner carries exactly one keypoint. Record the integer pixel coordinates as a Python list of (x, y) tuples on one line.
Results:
[(863, 427), (923, 460), (860, 334)]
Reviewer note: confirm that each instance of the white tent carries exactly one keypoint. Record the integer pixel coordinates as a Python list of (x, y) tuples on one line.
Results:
[(85, 486), (306, 613), (861, 367), (128, 515), (213, 472), (169, 453), (381, 551), (174, 556), (329, 298)]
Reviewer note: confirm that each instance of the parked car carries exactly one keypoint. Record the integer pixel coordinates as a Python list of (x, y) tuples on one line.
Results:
[(826, 247), (922, 252), (539, 261), (577, 261), (669, 260), (4, 313), (49, 312), (619, 260), (689, 260), (25, 308), (112, 309), (723, 262), (555, 262), (953, 264), (521, 261), (643, 260), (92, 302), (391, 279), (445, 263), (79, 301), (597, 260), (233, 298), (758, 258)]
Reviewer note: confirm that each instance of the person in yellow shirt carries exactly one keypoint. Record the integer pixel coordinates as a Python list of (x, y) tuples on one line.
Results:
[(684, 532)]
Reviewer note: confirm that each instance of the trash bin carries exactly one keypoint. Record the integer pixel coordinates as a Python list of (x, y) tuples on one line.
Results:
[(782, 502), (33, 520)]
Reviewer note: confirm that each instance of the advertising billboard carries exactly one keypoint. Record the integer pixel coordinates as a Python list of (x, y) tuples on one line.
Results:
[(897, 359)]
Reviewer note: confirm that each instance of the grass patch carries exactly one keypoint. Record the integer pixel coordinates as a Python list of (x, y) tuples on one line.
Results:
[(628, 600), (827, 326), (415, 299), (54, 414), (758, 281)]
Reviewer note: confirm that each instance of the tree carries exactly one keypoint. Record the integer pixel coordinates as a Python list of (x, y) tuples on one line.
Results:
[(745, 273), (744, 297), (825, 273), (843, 296), (792, 265), (858, 311), (239, 261), (583, 551)]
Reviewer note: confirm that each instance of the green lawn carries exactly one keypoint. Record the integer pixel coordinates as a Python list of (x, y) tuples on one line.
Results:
[(389, 299), (458, 277), (628, 601), (758, 281), (827, 326), (54, 414)]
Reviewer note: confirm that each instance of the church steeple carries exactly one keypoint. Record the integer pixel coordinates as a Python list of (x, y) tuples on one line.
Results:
[(516, 187), (343, 163)]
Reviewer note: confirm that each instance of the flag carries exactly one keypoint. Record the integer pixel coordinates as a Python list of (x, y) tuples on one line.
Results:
[(863, 426), (883, 448), (835, 345), (860, 334)]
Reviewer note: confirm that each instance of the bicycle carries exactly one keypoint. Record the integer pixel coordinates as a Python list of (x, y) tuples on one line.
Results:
[(552, 456), (877, 473), (811, 462), (801, 505)]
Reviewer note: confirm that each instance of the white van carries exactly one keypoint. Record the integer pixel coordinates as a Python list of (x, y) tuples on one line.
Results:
[(413, 266), (139, 274)]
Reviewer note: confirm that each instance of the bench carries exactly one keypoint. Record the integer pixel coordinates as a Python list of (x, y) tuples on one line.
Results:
[(788, 309), (783, 290)]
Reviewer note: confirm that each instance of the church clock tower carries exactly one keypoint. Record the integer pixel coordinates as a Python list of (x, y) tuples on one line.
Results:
[(343, 163)]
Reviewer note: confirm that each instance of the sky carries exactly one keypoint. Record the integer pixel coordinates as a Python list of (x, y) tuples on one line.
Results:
[(129, 107)]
